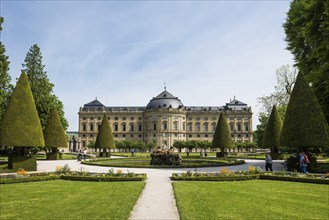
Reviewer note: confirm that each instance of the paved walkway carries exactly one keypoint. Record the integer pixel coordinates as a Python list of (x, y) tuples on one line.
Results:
[(157, 200)]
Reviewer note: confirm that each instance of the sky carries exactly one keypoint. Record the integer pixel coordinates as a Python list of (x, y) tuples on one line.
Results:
[(122, 52)]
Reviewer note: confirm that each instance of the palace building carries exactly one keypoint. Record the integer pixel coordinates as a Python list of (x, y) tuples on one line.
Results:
[(164, 120)]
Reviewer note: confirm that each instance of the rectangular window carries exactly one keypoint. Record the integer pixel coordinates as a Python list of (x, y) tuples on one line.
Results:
[(132, 118), (132, 127), (84, 127), (116, 127), (91, 127), (155, 127), (205, 118), (239, 127), (123, 127), (83, 144), (198, 118), (116, 118), (139, 118), (123, 118), (140, 127)]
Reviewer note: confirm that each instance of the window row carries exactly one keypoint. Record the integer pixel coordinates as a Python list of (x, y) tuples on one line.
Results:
[(115, 127)]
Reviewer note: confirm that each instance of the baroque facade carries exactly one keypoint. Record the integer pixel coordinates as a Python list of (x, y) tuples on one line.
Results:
[(165, 120)]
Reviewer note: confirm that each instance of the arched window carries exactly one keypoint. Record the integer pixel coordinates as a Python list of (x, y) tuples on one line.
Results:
[(197, 126), (205, 127), (124, 127), (131, 126), (213, 126), (246, 126), (239, 126), (189, 126), (91, 127), (165, 125), (175, 126), (232, 126), (116, 127)]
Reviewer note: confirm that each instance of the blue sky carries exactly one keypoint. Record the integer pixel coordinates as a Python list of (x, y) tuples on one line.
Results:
[(123, 51)]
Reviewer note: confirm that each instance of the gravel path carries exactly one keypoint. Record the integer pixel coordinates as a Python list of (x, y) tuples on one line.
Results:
[(157, 200)]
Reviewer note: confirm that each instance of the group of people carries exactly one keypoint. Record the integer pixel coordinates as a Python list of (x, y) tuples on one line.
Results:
[(303, 161), (82, 152)]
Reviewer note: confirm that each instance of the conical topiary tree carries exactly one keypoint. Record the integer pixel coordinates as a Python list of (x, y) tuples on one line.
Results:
[(54, 134), (304, 125), (271, 137), (21, 127), (105, 137), (222, 137)]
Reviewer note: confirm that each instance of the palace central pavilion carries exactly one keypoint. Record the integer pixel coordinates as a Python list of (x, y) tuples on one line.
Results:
[(165, 120)]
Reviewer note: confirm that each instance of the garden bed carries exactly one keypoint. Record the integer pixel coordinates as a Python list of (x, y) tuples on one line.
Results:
[(65, 174), (252, 173), (145, 163)]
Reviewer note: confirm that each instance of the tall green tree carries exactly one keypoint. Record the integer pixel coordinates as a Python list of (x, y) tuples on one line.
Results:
[(21, 125), (285, 80), (222, 137), (5, 86), (271, 138), (307, 31), (105, 139), (54, 133), (304, 125), (42, 89)]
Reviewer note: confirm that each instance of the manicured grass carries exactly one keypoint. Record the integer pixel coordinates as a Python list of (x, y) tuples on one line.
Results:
[(59, 199), (254, 199)]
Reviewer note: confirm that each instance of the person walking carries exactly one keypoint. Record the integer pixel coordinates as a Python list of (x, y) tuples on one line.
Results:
[(303, 161), (84, 153), (269, 162)]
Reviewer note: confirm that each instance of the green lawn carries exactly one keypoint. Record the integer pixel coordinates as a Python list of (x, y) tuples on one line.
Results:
[(255, 199), (61, 199)]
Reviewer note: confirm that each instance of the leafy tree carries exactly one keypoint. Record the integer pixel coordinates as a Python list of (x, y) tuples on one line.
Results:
[(5, 86), (42, 89), (222, 137), (54, 133), (150, 145), (21, 125), (271, 138), (91, 144), (285, 80), (307, 32), (105, 137), (304, 124), (179, 145)]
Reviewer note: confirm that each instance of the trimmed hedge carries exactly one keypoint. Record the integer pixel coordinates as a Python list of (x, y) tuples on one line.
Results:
[(294, 179), (212, 163), (28, 179), (28, 163), (34, 177), (214, 178), (251, 177), (138, 177)]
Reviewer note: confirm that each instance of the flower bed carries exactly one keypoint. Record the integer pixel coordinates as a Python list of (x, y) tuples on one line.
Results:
[(145, 163), (64, 173), (252, 173), (296, 177)]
